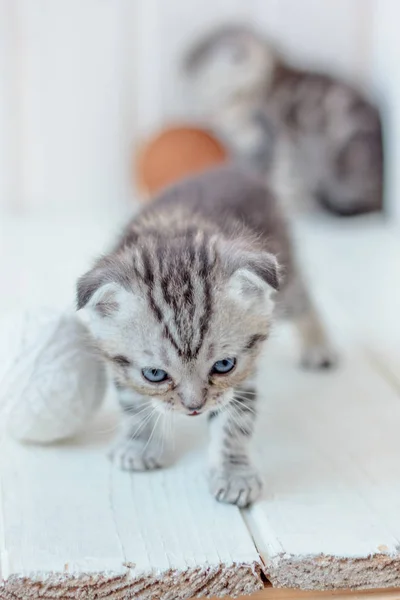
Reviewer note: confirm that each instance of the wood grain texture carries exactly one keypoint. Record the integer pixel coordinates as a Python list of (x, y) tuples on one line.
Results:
[(270, 593), (341, 448), (328, 446), (361, 286), (74, 526)]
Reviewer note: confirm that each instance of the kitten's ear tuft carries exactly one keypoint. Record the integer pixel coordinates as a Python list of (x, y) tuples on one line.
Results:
[(107, 271), (264, 265), (88, 284), (254, 277), (97, 291)]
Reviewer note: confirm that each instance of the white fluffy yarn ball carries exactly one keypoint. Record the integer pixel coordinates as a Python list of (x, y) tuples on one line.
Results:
[(51, 382)]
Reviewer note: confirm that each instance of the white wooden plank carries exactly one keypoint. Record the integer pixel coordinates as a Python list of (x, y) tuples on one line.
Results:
[(329, 448), (335, 492), (362, 280), (71, 521)]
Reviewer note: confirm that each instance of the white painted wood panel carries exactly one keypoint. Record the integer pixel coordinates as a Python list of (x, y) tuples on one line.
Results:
[(334, 490), (357, 268), (156, 533), (327, 444), (82, 82), (167, 28), (9, 107), (74, 155), (328, 35), (384, 55)]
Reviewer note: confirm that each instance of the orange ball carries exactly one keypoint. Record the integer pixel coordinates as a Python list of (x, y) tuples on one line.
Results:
[(175, 153)]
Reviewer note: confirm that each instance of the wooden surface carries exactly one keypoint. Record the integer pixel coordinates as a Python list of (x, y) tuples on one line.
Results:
[(333, 485), (67, 510), (335, 489), (327, 444), (270, 593)]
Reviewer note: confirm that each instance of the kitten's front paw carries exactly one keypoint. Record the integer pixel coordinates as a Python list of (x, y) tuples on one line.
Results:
[(235, 487), (319, 357), (132, 455)]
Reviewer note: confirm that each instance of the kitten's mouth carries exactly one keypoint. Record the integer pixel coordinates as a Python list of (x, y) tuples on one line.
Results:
[(193, 413)]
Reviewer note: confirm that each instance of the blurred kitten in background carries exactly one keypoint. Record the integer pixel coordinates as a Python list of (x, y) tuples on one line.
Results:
[(317, 139)]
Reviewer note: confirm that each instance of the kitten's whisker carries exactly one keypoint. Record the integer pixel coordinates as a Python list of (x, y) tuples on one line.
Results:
[(163, 434), (172, 428), (110, 430), (143, 421), (152, 433), (244, 398), (245, 408), (234, 412), (248, 394), (238, 417), (142, 425), (243, 402), (246, 390), (116, 426), (133, 412), (232, 419)]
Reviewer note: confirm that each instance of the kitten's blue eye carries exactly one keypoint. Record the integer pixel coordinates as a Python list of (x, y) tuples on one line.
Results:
[(155, 375), (221, 367)]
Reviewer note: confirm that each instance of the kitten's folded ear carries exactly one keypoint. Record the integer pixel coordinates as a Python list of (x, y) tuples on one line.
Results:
[(88, 284), (262, 264), (101, 288), (252, 275)]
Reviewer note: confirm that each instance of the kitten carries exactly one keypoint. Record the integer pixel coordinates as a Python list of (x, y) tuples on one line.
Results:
[(181, 308), (318, 139)]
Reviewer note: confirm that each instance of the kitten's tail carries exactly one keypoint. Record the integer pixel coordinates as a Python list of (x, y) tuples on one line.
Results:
[(349, 207), (357, 187)]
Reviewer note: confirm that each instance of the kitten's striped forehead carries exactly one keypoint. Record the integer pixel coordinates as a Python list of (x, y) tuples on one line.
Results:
[(178, 280)]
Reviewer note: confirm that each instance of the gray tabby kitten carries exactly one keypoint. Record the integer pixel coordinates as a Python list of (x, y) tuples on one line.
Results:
[(318, 139), (181, 308)]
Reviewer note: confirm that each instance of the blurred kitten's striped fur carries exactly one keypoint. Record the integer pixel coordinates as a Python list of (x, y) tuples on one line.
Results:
[(181, 308), (318, 139)]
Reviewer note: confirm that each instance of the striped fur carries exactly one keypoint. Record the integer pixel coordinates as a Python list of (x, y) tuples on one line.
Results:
[(232, 477), (317, 138), (191, 282)]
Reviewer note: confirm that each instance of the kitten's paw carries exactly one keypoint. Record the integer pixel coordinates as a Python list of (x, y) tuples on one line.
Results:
[(132, 455), (319, 357), (235, 487)]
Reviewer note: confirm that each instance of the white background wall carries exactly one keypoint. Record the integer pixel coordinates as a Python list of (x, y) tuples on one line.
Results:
[(331, 34), (385, 75), (81, 81)]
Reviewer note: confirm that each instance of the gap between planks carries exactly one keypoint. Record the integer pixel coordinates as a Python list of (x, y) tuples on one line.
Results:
[(337, 300)]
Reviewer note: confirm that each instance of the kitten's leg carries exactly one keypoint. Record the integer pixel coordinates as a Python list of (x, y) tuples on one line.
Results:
[(141, 444), (316, 349), (232, 477)]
